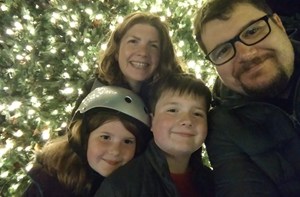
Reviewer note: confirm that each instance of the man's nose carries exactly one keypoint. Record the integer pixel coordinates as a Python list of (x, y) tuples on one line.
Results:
[(244, 52)]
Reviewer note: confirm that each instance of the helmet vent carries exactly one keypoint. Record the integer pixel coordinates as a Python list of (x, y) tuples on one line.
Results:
[(128, 99)]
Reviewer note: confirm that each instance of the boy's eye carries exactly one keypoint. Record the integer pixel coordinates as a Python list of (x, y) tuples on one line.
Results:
[(171, 110), (198, 114)]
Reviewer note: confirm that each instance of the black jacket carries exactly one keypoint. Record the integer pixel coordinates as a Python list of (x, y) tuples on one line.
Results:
[(254, 145), (148, 176), (45, 185)]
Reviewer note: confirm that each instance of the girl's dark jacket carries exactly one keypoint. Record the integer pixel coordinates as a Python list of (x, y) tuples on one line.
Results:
[(45, 185), (254, 145), (148, 176)]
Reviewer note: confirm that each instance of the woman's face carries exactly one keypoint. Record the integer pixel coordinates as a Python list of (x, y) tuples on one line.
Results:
[(139, 53), (110, 146)]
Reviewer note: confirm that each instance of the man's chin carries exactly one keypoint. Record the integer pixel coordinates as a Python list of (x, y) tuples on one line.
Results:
[(270, 90)]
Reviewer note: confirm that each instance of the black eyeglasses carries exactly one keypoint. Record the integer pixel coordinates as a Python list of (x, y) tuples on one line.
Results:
[(252, 34)]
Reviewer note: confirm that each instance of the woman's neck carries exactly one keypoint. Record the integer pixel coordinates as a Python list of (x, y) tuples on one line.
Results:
[(135, 86)]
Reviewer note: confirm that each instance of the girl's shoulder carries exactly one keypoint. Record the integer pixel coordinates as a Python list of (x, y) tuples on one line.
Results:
[(44, 184)]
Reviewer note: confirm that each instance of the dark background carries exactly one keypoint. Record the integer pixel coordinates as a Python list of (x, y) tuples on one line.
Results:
[(285, 7)]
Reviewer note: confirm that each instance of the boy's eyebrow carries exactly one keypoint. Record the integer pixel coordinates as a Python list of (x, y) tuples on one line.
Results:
[(175, 103)]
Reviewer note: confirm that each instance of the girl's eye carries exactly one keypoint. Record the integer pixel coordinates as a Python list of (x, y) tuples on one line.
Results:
[(128, 141), (105, 137)]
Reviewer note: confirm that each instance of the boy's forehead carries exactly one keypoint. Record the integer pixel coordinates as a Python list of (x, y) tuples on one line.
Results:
[(179, 93)]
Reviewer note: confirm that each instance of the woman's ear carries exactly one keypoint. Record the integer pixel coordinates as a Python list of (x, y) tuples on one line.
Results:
[(117, 57)]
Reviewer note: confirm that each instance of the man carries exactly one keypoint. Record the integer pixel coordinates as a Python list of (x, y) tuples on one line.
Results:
[(254, 132)]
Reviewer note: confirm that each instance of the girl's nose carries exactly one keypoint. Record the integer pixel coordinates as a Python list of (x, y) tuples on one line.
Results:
[(114, 149)]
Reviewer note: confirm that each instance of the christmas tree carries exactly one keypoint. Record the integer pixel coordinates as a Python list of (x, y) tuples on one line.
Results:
[(49, 48)]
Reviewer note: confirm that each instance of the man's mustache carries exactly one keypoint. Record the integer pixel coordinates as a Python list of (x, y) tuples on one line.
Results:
[(246, 65)]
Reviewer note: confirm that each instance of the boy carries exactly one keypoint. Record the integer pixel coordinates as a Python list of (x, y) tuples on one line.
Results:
[(171, 166)]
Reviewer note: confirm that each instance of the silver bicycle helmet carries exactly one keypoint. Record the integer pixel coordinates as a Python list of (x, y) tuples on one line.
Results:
[(116, 98)]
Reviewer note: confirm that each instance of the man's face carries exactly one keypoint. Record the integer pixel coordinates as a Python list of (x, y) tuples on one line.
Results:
[(262, 69)]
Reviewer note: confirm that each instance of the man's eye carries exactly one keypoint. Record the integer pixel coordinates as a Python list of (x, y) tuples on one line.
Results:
[(222, 51), (255, 30), (251, 32)]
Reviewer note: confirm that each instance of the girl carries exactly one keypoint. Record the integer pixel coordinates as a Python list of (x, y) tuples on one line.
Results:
[(109, 128)]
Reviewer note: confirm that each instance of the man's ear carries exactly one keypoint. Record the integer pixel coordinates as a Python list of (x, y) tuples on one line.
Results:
[(278, 21)]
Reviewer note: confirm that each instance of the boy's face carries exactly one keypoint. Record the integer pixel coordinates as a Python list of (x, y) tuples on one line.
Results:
[(179, 124)]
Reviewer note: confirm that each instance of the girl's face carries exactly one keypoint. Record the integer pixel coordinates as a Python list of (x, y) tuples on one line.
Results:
[(110, 146), (139, 53)]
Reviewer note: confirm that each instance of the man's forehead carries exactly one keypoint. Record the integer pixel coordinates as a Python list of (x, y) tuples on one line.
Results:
[(218, 31)]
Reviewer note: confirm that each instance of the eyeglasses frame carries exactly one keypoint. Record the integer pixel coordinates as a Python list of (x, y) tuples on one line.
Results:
[(237, 38)]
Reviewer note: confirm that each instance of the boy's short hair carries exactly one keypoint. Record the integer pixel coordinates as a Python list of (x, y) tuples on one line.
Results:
[(184, 84)]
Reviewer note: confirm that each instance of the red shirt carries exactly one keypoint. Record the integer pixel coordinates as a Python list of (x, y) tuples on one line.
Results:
[(184, 184)]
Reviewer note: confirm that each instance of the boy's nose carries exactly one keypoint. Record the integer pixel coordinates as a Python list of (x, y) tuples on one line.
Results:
[(186, 120)]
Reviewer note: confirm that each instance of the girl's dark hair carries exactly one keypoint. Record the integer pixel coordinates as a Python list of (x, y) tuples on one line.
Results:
[(65, 157)]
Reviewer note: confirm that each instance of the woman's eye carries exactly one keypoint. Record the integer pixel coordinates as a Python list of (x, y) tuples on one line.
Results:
[(132, 41), (155, 46)]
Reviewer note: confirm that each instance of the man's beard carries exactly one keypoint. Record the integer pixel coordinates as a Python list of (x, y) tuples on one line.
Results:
[(272, 89)]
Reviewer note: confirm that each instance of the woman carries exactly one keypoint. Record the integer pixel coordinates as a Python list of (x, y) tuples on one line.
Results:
[(138, 52)]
